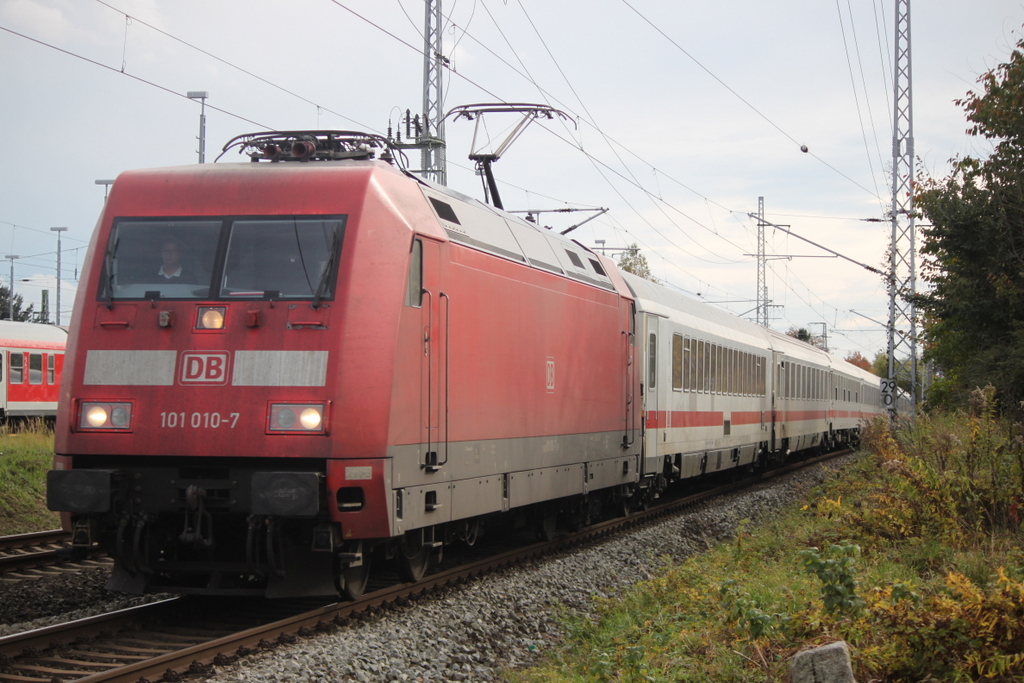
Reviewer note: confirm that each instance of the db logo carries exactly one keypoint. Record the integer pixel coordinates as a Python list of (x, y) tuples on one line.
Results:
[(204, 367)]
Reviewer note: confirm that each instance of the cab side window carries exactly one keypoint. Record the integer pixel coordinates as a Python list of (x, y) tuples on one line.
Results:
[(414, 284)]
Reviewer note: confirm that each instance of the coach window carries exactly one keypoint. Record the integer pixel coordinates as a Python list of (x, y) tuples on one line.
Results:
[(17, 374), (50, 369), (725, 387), (699, 386), (689, 364), (734, 367), (720, 370), (756, 389), (677, 361), (730, 372), (652, 361), (746, 382), (414, 285), (709, 370), (714, 374), (35, 368)]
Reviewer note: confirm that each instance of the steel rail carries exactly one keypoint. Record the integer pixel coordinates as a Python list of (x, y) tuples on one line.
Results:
[(221, 650), (37, 550)]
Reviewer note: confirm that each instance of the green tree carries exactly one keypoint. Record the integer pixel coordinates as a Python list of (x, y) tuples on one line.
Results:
[(880, 364), (632, 261), (804, 335), (21, 313), (973, 316)]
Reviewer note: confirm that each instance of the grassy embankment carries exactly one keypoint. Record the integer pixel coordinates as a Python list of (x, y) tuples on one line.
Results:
[(25, 457), (914, 555)]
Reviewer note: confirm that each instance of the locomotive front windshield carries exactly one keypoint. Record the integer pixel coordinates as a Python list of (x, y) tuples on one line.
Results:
[(223, 258)]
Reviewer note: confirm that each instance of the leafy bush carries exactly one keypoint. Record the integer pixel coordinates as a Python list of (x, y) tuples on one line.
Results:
[(913, 554)]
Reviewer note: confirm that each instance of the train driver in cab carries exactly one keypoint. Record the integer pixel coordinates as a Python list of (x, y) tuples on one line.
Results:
[(171, 268)]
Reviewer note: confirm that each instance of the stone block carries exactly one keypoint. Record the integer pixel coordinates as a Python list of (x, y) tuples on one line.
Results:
[(827, 664)]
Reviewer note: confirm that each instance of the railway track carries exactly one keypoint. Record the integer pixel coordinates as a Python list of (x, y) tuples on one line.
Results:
[(27, 556), (167, 639)]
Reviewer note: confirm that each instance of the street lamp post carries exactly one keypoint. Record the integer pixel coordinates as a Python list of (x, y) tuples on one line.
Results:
[(58, 231), (10, 294), (106, 188), (201, 95)]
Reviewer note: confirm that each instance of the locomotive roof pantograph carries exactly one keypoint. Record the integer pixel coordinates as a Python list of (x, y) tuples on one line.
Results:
[(484, 160), (315, 145)]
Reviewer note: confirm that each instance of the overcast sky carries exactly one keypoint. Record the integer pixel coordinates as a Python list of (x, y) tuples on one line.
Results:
[(683, 114)]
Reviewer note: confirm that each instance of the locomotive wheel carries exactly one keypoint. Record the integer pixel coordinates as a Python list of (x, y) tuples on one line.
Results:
[(413, 558), (548, 527), (355, 579)]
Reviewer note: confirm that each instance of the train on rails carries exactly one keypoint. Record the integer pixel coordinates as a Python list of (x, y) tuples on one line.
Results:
[(284, 371), (31, 364)]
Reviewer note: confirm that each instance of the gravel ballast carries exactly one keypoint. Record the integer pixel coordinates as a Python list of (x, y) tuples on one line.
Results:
[(471, 632)]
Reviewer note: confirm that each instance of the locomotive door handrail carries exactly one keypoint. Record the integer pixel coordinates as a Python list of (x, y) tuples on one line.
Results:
[(432, 465), (447, 355), (629, 438), (428, 334)]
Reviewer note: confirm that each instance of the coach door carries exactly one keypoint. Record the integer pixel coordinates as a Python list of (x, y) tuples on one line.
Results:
[(630, 389), (4, 372), (778, 380), (654, 417), (436, 306)]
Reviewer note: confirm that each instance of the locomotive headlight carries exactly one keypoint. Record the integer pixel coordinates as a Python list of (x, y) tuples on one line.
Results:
[(105, 415), (311, 418), (210, 317), (296, 418), (96, 416)]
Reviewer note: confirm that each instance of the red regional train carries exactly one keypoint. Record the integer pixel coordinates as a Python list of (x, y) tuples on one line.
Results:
[(283, 371), (31, 363)]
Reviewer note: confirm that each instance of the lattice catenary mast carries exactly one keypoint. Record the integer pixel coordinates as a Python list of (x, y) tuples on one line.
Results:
[(431, 139), (762, 282), (902, 347)]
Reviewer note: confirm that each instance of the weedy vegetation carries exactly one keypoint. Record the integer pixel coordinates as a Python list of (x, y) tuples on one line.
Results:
[(914, 555), (26, 454)]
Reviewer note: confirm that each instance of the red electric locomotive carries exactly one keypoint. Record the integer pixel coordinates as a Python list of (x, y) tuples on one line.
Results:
[(281, 372)]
